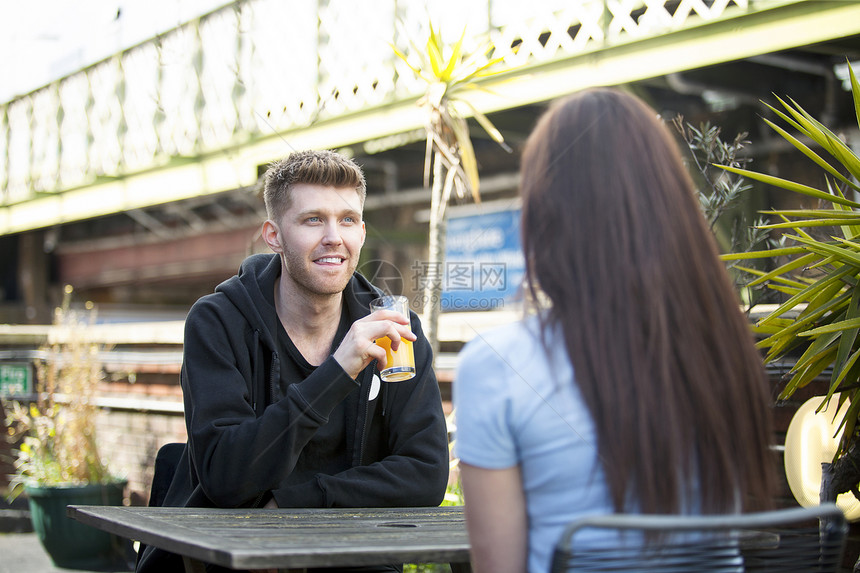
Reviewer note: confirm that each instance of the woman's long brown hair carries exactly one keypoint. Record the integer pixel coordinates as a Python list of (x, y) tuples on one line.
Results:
[(662, 354)]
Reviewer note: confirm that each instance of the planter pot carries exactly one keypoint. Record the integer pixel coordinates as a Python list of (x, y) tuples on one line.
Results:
[(71, 544)]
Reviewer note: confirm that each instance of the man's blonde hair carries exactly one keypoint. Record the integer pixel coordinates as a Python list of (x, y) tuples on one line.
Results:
[(313, 167)]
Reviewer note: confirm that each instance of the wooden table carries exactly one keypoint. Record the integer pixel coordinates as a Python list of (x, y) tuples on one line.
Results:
[(291, 539)]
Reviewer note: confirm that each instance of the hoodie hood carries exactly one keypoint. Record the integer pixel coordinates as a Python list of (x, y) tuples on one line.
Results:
[(252, 292)]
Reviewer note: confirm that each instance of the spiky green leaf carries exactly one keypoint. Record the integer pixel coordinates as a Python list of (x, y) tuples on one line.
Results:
[(852, 323), (847, 256), (455, 58), (790, 185), (784, 269), (812, 155), (844, 155), (773, 275), (841, 373), (809, 292), (787, 251), (809, 374), (855, 89), (812, 223)]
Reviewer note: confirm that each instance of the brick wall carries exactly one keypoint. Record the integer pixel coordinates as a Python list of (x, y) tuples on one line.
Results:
[(129, 441)]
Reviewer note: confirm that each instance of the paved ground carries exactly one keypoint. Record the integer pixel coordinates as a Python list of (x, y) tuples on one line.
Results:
[(21, 550), (22, 553)]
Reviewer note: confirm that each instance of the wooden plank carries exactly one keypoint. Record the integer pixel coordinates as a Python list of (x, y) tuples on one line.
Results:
[(150, 530), (257, 539)]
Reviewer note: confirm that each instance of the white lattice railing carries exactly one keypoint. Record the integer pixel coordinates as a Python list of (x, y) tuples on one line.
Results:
[(260, 66)]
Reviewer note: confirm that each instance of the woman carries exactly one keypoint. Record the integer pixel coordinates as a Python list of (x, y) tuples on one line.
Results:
[(637, 386)]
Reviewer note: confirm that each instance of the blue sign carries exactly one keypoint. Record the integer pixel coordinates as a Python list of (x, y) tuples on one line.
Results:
[(484, 263)]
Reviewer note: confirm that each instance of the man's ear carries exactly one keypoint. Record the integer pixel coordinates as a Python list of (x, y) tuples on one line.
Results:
[(272, 235)]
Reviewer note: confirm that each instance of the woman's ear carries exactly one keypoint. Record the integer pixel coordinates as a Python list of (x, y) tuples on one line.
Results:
[(272, 236)]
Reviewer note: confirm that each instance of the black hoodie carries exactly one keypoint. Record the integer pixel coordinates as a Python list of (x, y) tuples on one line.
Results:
[(247, 427)]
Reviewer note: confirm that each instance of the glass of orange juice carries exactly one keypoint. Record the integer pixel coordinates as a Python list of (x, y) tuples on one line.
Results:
[(399, 364)]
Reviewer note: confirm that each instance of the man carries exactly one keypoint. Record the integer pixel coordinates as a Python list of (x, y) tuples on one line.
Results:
[(283, 402)]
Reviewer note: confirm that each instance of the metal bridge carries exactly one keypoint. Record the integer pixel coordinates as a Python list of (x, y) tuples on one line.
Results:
[(198, 110)]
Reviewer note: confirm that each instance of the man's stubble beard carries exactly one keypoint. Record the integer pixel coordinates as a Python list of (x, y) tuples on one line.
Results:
[(302, 276)]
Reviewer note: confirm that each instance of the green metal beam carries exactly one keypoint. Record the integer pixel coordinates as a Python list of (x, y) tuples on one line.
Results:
[(767, 26), (782, 26)]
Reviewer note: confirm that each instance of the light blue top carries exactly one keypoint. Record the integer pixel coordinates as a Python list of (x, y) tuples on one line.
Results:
[(515, 404)]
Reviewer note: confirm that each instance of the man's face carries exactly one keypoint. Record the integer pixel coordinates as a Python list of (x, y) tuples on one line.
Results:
[(320, 238)]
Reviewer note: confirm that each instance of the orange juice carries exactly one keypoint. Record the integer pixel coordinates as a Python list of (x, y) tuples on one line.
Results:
[(399, 364)]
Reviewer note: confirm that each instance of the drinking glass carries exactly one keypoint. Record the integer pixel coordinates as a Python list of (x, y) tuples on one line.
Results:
[(399, 364)]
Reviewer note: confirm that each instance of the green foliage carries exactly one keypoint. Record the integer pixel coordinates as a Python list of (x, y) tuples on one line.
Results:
[(719, 192), (426, 568), (820, 318), (453, 496)]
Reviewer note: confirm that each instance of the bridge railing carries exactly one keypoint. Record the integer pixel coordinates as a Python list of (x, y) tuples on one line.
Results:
[(256, 67)]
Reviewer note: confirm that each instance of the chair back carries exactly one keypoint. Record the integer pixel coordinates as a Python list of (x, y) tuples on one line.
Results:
[(786, 540), (166, 461)]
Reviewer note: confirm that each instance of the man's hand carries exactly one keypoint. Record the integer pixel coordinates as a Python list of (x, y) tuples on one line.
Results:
[(358, 348)]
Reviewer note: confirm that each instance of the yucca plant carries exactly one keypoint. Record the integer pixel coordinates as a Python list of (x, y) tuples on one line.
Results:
[(449, 73), (820, 319)]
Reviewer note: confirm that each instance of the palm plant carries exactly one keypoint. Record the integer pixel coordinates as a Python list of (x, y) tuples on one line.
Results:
[(820, 319), (449, 72)]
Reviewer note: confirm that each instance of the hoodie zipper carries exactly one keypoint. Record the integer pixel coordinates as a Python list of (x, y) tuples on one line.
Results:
[(364, 422), (257, 387), (254, 371)]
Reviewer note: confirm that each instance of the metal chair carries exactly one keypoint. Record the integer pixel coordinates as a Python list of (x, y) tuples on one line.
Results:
[(786, 540)]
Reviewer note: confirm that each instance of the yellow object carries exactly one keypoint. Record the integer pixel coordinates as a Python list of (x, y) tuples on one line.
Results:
[(812, 439), (400, 364)]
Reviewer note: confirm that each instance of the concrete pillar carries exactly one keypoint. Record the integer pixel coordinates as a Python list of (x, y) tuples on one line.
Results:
[(33, 277)]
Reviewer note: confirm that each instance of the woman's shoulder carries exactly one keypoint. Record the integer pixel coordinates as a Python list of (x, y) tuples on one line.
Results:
[(504, 341), (513, 348)]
